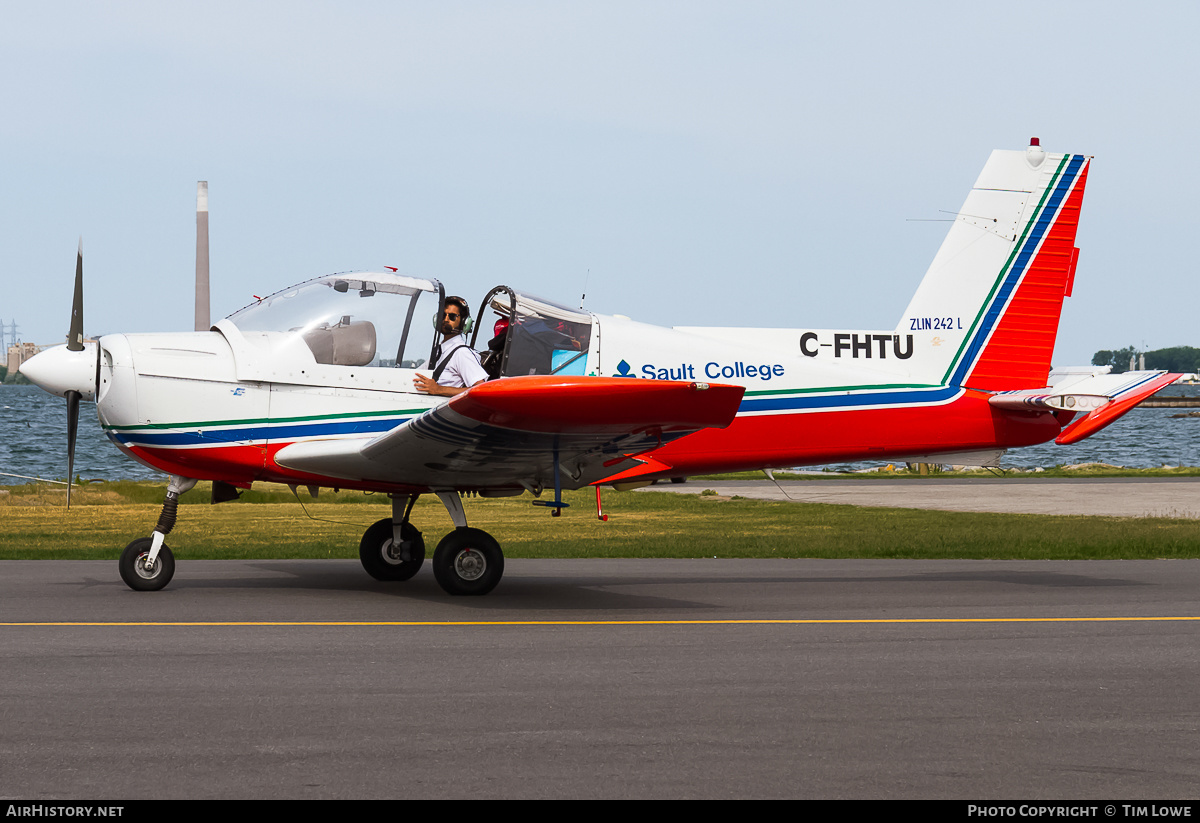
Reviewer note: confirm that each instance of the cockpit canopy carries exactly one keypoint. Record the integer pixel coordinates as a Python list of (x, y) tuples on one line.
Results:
[(538, 336), (353, 319), (322, 331)]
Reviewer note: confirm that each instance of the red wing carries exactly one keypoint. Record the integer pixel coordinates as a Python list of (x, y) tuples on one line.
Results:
[(510, 433)]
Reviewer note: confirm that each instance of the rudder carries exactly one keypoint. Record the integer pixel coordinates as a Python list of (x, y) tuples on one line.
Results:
[(1004, 269)]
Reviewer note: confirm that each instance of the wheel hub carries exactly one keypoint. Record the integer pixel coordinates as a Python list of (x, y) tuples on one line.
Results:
[(144, 568), (470, 564)]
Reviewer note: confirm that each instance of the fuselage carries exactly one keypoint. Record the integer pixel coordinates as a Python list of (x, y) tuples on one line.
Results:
[(219, 405)]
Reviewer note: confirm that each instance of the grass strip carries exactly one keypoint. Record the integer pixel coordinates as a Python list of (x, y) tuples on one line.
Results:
[(105, 517)]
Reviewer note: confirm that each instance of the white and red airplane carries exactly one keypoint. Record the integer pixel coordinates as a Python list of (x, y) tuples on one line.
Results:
[(313, 386)]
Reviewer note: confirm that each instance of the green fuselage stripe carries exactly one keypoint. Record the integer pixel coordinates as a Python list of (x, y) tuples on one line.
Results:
[(265, 420)]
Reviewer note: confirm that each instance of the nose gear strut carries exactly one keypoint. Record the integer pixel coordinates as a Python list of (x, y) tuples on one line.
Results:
[(147, 564)]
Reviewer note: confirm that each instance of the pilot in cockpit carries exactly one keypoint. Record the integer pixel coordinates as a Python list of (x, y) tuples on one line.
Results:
[(458, 366)]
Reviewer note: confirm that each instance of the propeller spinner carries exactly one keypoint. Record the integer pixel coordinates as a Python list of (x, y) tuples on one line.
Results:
[(69, 371)]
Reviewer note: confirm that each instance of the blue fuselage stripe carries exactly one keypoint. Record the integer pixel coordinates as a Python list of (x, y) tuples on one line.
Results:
[(218, 437), (839, 401)]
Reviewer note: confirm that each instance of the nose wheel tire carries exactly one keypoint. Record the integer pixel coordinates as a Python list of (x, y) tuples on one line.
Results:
[(468, 562), (383, 559), (137, 575)]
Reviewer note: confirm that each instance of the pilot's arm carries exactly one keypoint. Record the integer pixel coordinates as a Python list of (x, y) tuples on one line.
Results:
[(426, 385), (462, 372)]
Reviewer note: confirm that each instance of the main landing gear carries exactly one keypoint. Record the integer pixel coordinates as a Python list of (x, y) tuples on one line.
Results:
[(393, 549), (466, 562)]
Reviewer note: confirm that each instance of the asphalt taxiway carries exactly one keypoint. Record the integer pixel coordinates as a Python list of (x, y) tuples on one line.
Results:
[(1100, 496), (604, 678)]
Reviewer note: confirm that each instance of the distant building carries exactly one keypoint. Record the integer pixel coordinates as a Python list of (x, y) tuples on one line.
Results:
[(18, 353)]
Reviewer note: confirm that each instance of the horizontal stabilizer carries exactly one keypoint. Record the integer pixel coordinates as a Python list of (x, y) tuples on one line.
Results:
[(1101, 397), (1138, 386)]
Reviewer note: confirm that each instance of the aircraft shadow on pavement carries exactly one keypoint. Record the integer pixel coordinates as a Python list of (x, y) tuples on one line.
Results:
[(591, 592), (540, 593)]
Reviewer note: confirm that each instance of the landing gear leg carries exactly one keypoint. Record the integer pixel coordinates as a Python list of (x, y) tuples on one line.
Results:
[(467, 561), (393, 549), (147, 564)]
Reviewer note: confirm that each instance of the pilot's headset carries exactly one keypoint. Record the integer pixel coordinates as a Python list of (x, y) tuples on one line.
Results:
[(468, 323)]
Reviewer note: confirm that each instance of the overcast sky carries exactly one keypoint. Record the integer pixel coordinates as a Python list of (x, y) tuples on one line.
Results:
[(694, 163)]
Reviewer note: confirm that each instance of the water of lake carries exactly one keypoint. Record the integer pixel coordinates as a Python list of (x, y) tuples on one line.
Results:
[(33, 441)]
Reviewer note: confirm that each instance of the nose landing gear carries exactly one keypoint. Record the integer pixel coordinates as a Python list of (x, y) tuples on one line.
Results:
[(139, 572), (147, 565)]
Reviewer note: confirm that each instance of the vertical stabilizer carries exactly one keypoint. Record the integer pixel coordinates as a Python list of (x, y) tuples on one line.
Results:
[(202, 300), (999, 279)]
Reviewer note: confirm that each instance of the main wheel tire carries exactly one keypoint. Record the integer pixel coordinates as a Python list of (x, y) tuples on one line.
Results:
[(380, 555), (468, 562), (133, 566)]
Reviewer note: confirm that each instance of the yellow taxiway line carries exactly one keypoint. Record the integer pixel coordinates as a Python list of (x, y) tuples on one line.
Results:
[(746, 622)]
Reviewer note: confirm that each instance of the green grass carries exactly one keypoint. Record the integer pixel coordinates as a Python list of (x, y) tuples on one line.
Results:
[(264, 524)]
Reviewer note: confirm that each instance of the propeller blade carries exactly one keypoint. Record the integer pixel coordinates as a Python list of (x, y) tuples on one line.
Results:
[(75, 335), (74, 343), (72, 428)]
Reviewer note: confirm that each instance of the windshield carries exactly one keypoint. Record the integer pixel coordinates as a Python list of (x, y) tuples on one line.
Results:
[(356, 319)]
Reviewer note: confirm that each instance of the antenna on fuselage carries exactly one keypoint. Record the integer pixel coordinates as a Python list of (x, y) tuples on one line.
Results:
[(583, 296), (202, 313)]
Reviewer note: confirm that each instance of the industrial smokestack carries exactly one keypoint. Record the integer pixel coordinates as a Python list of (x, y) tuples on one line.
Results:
[(202, 314)]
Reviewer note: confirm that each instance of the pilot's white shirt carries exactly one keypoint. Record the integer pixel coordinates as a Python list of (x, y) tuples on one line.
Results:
[(464, 369)]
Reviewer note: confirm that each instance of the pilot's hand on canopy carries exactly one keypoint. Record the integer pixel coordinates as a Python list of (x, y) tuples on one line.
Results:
[(429, 386), (425, 384)]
